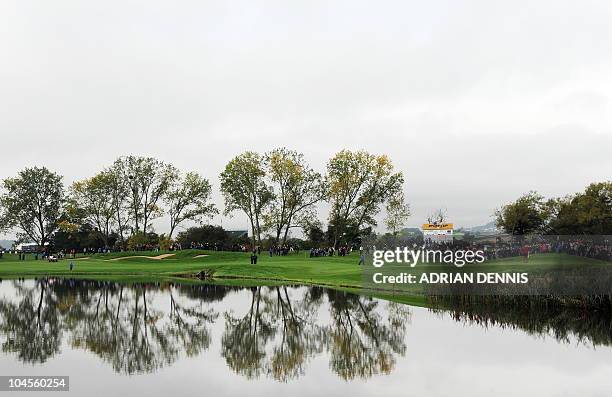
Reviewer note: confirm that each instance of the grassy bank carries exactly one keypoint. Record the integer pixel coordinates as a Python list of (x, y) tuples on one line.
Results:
[(297, 268), (225, 265)]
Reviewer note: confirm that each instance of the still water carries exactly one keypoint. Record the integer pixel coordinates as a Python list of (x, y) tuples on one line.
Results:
[(174, 339)]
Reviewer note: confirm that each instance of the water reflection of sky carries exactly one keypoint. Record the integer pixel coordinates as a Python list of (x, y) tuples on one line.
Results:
[(429, 355)]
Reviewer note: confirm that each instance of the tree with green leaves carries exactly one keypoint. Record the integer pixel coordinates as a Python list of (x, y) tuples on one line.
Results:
[(526, 215), (315, 233), (588, 212), (91, 201), (398, 213), (359, 183), (148, 180), (188, 198), (213, 235), (244, 188), (32, 203), (119, 191), (297, 189)]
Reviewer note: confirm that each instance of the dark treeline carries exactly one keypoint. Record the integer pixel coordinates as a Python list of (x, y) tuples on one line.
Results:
[(583, 213), (537, 315), (276, 191)]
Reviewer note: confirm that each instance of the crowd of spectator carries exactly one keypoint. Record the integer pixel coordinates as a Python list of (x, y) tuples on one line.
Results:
[(582, 247), (330, 251), (585, 247), (282, 250)]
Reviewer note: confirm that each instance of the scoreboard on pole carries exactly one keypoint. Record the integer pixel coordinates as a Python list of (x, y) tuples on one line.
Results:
[(438, 232)]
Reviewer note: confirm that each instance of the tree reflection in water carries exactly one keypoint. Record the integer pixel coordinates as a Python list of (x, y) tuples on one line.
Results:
[(533, 315), (31, 326), (289, 327), (116, 322), (361, 341), (139, 328)]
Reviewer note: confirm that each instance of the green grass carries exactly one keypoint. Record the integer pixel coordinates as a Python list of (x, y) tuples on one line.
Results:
[(294, 268), (233, 268)]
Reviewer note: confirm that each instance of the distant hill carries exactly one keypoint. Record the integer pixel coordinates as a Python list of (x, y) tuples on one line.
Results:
[(6, 244), (486, 229), (411, 232)]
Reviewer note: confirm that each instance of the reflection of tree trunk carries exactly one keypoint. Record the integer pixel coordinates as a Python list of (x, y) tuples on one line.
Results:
[(251, 310), (372, 327), (257, 311), (119, 305), (39, 310), (348, 317), (281, 306), (352, 330), (134, 327), (279, 302), (144, 299), (175, 312), (286, 306), (289, 305), (98, 305), (282, 346), (172, 304), (106, 299)]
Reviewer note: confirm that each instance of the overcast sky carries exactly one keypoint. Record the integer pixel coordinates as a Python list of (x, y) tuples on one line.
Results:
[(475, 101)]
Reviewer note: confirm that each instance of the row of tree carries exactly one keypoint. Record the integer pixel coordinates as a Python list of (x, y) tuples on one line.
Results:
[(277, 191), (121, 200), (588, 212)]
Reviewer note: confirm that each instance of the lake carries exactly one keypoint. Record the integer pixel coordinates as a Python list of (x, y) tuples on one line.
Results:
[(163, 339)]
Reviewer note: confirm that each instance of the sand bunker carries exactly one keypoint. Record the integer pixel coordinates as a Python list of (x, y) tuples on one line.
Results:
[(158, 257), (200, 256)]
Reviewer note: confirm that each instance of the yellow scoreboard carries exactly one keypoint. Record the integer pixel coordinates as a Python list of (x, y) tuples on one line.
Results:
[(440, 232)]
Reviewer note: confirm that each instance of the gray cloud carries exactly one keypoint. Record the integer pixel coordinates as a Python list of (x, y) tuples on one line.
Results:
[(510, 96)]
